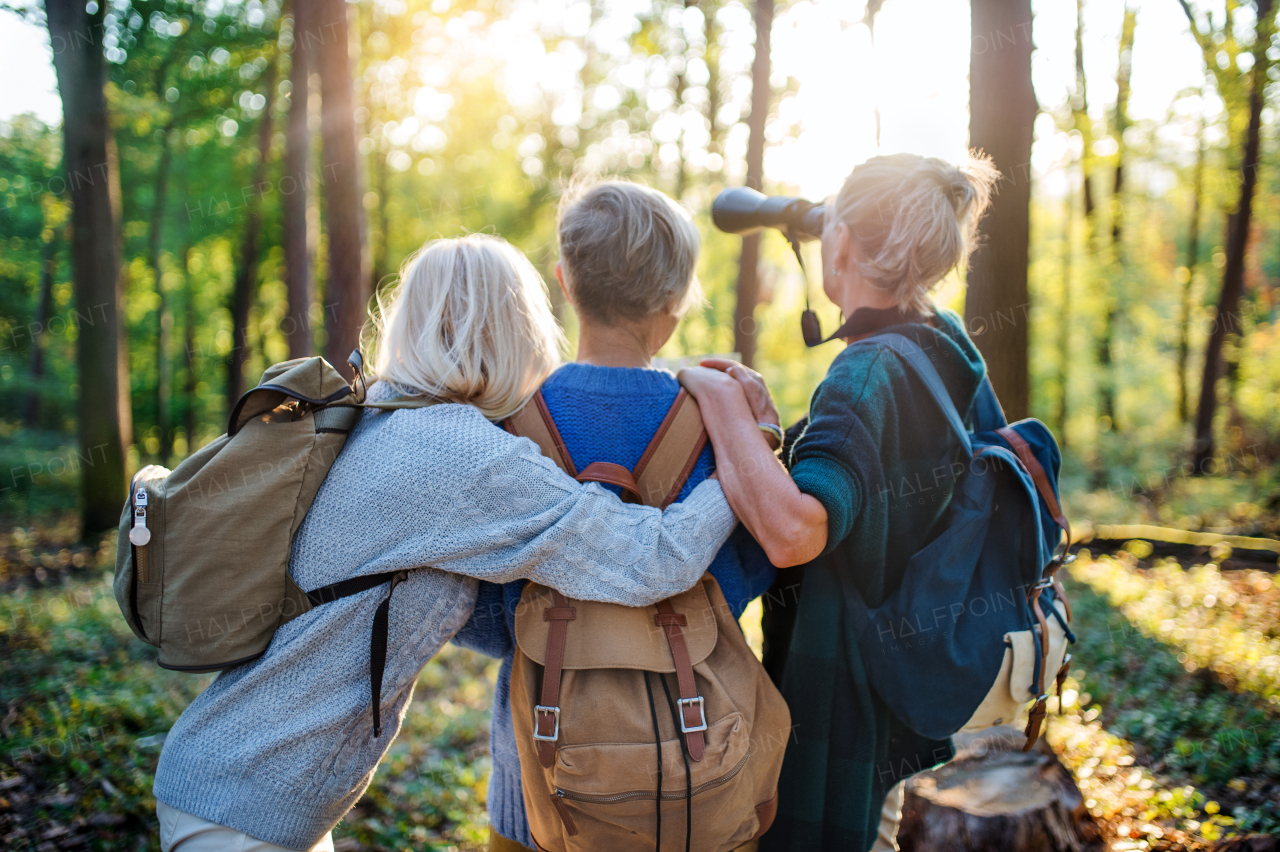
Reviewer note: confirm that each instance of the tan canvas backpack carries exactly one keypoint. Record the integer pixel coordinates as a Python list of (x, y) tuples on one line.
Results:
[(637, 725), (202, 562)]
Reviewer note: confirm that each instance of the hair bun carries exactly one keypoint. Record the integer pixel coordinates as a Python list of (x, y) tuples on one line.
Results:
[(958, 191)]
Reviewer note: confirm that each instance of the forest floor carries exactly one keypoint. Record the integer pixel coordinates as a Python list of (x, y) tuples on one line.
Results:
[(1171, 724)]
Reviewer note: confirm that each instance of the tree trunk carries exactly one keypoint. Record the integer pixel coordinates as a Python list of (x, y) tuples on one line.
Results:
[(744, 319), (711, 35), (246, 282), (1001, 802), (163, 319), (382, 255), (189, 420), (1083, 124), (681, 84), (869, 21), (1064, 324), (1114, 282), (1193, 256), (297, 170), (103, 403), (1002, 109), (44, 306), (1228, 317), (1124, 73), (347, 290)]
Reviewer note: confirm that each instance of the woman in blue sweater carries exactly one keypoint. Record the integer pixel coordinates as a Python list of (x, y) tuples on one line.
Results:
[(627, 266)]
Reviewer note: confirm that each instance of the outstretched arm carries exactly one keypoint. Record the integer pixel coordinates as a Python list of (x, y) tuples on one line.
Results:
[(791, 526)]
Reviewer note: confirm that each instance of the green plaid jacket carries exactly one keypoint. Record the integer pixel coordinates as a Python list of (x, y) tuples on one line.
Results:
[(869, 453)]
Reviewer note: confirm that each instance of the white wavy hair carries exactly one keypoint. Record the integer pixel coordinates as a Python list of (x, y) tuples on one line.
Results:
[(468, 321), (913, 219)]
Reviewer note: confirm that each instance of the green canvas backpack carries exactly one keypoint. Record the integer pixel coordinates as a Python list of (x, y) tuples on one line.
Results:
[(202, 562)]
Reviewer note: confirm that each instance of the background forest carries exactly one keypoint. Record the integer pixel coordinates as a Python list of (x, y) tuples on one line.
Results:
[(235, 180)]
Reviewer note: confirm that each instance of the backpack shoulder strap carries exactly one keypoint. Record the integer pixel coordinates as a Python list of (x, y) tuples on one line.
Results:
[(661, 472), (534, 422), (918, 362), (669, 459), (987, 414)]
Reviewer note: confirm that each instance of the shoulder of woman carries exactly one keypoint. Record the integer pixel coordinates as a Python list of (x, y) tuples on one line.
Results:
[(454, 446), (862, 368)]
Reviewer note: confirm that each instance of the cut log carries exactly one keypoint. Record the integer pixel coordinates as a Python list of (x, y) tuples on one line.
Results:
[(1252, 843), (990, 799)]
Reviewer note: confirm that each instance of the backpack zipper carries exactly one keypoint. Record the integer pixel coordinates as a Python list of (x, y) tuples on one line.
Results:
[(139, 534), (646, 794), (140, 563), (557, 799)]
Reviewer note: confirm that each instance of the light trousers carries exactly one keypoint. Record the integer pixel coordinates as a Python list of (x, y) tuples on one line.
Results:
[(890, 816), (183, 832)]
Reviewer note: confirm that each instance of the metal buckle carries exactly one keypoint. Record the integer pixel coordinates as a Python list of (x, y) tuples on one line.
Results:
[(554, 711), (683, 702)]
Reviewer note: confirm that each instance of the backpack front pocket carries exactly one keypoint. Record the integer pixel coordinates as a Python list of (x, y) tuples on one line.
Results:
[(613, 788)]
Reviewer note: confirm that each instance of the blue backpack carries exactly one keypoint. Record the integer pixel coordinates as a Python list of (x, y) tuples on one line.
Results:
[(979, 622)]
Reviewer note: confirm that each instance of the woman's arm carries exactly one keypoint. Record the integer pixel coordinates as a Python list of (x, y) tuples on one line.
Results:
[(488, 505), (791, 526)]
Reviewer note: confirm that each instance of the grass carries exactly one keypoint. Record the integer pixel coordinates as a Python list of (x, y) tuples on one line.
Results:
[(1172, 725), (84, 709), (1171, 729)]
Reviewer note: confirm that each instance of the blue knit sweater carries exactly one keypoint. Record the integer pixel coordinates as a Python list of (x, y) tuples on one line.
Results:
[(603, 414)]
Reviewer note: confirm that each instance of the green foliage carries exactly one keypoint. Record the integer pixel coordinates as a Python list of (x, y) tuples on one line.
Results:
[(87, 711), (429, 792), (1172, 662), (88, 708)]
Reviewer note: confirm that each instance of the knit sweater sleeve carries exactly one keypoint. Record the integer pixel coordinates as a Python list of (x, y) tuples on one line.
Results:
[(835, 457), (583, 540), (488, 505)]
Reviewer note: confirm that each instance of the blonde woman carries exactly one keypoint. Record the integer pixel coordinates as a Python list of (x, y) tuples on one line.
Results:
[(276, 751), (868, 484)]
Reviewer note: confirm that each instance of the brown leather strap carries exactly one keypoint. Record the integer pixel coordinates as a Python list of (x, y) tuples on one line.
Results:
[(534, 422), (1061, 594), (669, 459), (546, 716), (1034, 721), (692, 708), (766, 812), (612, 474), (1038, 476), (1036, 717), (1062, 679), (570, 827)]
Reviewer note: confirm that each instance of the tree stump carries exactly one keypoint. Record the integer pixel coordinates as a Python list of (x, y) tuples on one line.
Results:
[(992, 799)]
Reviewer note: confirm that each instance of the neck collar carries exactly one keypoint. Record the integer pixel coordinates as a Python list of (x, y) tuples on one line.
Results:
[(868, 321)]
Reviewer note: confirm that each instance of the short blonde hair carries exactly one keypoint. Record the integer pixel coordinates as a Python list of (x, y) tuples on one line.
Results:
[(628, 251), (468, 321), (913, 220)]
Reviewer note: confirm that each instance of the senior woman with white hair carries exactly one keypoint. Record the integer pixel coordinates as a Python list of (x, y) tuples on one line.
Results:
[(897, 227), (276, 751)]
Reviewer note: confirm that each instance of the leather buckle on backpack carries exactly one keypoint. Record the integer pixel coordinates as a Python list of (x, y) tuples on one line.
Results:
[(537, 717), (697, 701)]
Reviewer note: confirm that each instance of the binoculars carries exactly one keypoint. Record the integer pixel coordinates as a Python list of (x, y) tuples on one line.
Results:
[(740, 210)]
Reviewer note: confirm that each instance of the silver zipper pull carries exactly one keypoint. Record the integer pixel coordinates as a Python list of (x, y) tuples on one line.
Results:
[(139, 535)]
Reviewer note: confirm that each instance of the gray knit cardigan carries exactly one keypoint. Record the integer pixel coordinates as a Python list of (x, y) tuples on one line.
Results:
[(281, 748)]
